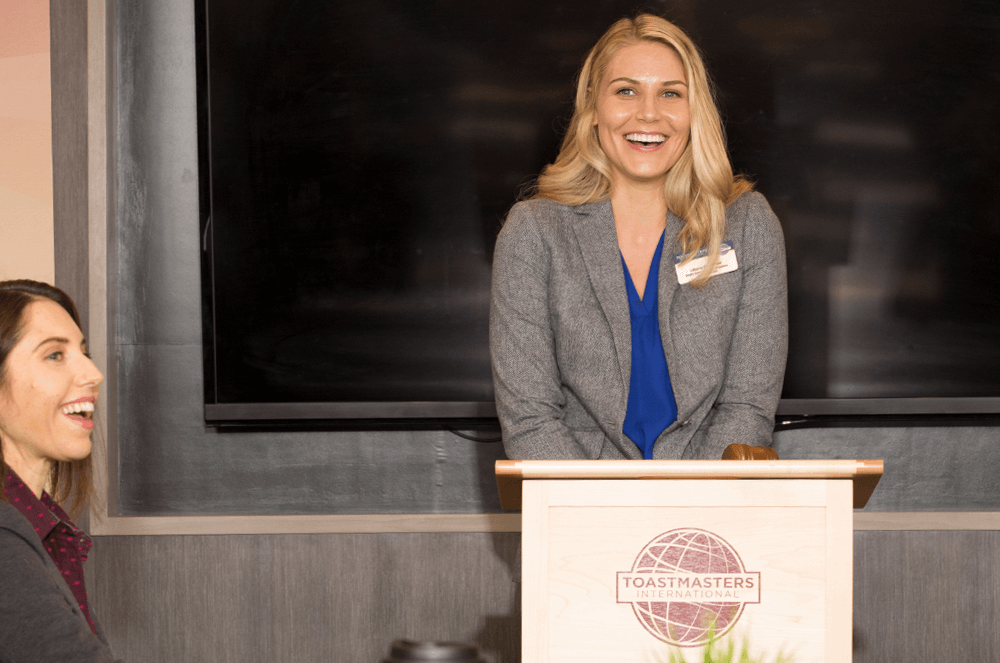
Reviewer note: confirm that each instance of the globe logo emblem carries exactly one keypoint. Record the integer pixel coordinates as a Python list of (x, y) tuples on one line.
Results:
[(688, 586)]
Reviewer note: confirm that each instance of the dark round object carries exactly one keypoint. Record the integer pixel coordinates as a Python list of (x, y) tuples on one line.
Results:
[(405, 651)]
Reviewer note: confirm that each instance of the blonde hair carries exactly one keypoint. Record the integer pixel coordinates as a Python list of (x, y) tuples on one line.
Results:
[(698, 187)]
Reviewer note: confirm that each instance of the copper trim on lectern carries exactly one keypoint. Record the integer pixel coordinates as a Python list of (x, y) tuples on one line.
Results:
[(864, 474)]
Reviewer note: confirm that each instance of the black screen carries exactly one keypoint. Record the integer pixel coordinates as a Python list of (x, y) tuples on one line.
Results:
[(359, 157)]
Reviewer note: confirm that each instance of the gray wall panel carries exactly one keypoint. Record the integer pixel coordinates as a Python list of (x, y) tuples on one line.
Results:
[(926, 469), (156, 187), (171, 464)]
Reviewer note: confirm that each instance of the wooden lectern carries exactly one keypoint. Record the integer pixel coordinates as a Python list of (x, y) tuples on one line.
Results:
[(628, 560)]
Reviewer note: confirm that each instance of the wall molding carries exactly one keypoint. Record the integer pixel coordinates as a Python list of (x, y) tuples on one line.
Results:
[(926, 521), (325, 524), (467, 522), (105, 458)]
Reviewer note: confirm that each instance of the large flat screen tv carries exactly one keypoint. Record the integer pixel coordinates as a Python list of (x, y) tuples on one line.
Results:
[(358, 158)]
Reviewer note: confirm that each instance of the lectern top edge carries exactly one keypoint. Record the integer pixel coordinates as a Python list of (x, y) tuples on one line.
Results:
[(864, 474)]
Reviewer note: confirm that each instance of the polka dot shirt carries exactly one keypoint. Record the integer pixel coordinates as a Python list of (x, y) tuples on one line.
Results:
[(66, 544)]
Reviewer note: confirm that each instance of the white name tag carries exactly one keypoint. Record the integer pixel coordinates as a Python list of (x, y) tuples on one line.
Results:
[(690, 271)]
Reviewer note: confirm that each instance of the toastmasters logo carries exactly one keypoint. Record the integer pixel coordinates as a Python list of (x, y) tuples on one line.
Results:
[(688, 585)]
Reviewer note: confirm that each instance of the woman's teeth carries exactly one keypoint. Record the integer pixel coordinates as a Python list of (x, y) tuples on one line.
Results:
[(85, 408), (645, 139)]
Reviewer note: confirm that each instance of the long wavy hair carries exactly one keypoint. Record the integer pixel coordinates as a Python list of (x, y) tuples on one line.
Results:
[(71, 482), (698, 187)]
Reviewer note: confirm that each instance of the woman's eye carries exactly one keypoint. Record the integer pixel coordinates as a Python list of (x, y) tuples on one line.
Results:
[(56, 356), (674, 94), (626, 92)]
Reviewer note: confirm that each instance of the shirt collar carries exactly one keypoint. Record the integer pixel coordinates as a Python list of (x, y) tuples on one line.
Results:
[(43, 514)]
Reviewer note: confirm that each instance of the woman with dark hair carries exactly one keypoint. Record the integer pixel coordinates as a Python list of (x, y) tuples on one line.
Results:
[(48, 391), (639, 304)]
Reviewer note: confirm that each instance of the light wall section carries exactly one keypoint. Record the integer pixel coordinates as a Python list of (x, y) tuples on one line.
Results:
[(26, 227)]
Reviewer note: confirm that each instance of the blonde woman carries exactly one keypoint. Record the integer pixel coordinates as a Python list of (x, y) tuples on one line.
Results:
[(48, 389), (639, 304)]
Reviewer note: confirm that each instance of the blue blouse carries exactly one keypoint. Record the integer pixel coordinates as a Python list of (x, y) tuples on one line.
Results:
[(651, 406)]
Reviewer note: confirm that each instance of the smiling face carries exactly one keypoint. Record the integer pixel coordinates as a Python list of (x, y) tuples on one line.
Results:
[(48, 393), (643, 115)]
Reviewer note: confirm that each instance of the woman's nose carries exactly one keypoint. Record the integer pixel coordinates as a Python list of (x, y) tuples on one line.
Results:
[(89, 374), (648, 110)]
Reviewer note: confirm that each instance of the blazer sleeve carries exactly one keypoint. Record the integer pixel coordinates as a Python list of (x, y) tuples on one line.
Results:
[(37, 621), (529, 396), (755, 365)]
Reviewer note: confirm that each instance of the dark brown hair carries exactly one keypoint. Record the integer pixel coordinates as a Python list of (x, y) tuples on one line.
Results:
[(72, 481)]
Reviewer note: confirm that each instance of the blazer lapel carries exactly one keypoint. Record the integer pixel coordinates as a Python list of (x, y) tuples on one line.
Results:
[(668, 287), (595, 232)]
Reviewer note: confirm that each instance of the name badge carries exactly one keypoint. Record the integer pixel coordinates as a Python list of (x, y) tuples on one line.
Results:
[(690, 271)]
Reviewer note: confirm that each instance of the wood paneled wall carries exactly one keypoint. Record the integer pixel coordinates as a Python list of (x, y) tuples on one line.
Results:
[(920, 597), (926, 597), (312, 597)]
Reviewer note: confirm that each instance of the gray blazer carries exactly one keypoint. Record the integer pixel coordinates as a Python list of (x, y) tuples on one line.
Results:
[(561, 344), (40, 621)]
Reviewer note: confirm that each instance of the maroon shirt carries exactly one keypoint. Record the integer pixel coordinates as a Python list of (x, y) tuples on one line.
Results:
[(67, 544)]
